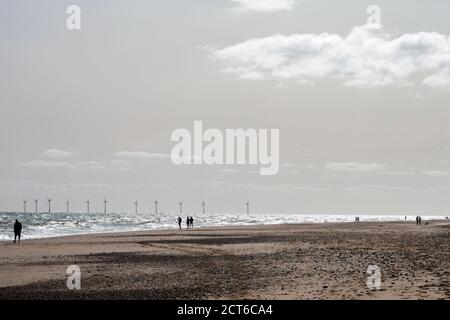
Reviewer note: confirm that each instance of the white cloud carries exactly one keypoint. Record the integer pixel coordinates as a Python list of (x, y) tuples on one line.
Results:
[(122, 169), (367, 56), (48, 164), (298, 188), (91, 165), (356, 166), (264, 5), (140, 155), (57, 154), (400, 173), (119, 163), (435, 173)]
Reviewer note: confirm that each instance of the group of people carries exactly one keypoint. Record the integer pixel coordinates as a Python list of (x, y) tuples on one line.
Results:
[(418, 221), (189, 222)]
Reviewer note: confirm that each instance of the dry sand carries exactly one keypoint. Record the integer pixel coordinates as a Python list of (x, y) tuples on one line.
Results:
[(314, 261)]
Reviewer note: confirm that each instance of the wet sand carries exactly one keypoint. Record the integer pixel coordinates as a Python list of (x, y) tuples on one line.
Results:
[(308, 261)]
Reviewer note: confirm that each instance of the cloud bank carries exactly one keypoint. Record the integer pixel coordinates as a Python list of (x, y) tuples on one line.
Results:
[(435, 173), (57, 154), (367, 56), (355, 166), (47, 164), (140, 155)]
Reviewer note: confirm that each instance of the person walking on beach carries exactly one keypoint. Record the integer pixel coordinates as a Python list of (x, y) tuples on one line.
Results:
[(417, 220), (17, 230), (188, 221), (179, 222), (192, 222)]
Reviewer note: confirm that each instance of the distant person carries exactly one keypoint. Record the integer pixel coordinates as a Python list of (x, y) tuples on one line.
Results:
[(192, 222), (420, 220), (405, 218), (179, 222), (17, 230), (188, 222), (417, 220)]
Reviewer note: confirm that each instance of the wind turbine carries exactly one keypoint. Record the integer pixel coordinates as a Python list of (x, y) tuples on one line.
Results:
[(67, 206), (105, 203), (49, 204), (248, 207), (87, 204), (156, 206), (203, 206), (24, 205), (180, 203), (136, 206), (35, 205)]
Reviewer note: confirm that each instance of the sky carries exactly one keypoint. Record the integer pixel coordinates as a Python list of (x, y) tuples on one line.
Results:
[(362, 109)]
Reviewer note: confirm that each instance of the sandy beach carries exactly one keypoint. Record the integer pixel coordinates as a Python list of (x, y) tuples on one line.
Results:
[(309, 261)]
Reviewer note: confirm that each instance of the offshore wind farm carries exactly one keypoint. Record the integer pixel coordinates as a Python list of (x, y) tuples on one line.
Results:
[(53, 223)]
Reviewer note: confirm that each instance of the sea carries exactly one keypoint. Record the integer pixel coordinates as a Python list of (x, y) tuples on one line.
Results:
[(45, 225)]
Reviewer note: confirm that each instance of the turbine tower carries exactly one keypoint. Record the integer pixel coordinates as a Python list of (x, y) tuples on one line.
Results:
[(24, 206), (49, 204), (88, 202), (180, 203), (136, 206), (248, 207), (35, 205), (203, 206), (105, 203), (156, 206), (67, 206)]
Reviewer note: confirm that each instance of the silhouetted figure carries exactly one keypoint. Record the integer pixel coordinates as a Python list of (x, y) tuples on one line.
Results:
[(192, 222), (419, 221), (17, 230), (179, 222), (405, 218), (188, 222)]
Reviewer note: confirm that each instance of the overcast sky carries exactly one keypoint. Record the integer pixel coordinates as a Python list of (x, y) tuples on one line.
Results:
[(363, 112)]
